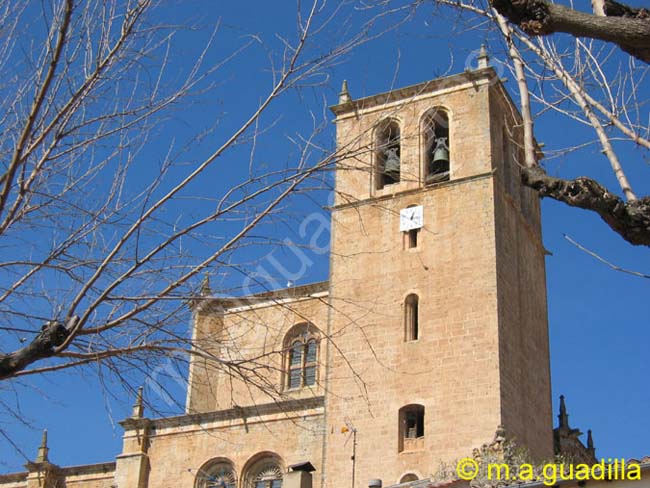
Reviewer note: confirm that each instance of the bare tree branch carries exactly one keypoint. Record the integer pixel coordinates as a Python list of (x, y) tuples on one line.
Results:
[(631, 220), (627, 27), (604, 261), (108, 264), (573, 78), (44, 345)]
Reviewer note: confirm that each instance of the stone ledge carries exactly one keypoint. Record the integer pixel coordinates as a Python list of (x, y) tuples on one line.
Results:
[(412, 191), (229, 414), (427, 87), (226, 304), (13, 477)]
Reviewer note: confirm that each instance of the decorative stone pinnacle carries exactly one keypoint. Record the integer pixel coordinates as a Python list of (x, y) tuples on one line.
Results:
[(344, 96), (43, 450), (590, 440), (138, 406), (563, 417), (483, 58), (205, 286)]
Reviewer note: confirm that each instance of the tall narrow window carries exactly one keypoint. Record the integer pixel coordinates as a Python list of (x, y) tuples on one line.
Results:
[(301, 344), (387, 154), (311, 357), (435, 129), (411, 318), (411, 428), (295, 365)]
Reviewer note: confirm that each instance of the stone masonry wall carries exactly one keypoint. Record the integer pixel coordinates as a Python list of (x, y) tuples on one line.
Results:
[(256, 332)]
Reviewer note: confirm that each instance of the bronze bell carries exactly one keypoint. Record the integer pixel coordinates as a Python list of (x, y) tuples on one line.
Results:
[(391, 166), (441, 152)]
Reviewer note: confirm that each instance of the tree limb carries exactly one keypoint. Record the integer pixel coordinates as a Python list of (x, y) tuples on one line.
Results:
[(631, 220), (603, 260), (627, 27), (52, 335)]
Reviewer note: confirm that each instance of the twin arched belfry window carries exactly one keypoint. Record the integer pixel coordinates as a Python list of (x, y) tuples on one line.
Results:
[(434, 129)]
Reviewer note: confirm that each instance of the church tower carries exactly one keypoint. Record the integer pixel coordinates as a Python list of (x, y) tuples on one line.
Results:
[(438, 319)]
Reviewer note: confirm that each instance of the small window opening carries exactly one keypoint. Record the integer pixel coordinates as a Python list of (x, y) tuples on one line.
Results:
[(388, 155), (414, 424), (436, 146), (412, 238), (411, 318), (411, 429), (409, 477)]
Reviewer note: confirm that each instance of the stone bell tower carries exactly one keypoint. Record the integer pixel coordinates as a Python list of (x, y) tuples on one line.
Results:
[(437, 286)]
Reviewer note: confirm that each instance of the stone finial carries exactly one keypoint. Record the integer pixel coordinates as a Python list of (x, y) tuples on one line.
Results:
[(563, 417), (344, 96), (43, 450), (138, 406), (590, 445), (205, 290), (483, 58)]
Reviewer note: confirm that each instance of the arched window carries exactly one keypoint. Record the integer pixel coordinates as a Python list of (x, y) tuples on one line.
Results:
[(435, 130), (301, 346), (408, 478), (411, 428), (265, 472), (387, 154), (216, 473), (411, 318)]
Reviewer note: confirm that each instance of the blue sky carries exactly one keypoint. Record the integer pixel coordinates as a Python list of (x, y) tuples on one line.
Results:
[(598, 317)]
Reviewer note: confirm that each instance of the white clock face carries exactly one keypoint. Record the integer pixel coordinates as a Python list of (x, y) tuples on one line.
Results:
[(410, 218)]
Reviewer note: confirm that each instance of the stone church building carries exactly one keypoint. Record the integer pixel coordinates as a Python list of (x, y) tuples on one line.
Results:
[(430, 334)]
